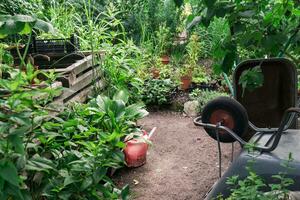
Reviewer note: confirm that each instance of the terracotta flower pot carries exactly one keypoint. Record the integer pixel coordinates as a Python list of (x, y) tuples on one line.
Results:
[(186, 82), (155, 73), (165, 59)]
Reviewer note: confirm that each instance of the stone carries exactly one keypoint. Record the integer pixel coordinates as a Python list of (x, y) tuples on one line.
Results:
[(191, 108)]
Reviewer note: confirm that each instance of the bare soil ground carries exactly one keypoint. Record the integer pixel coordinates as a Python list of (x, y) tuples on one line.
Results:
[(182, 164)]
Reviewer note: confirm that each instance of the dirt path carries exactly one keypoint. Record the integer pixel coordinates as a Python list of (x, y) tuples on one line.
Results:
[(182, 164)]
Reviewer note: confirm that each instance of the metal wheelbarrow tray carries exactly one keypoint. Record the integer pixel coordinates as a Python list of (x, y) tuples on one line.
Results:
[(272, 107)]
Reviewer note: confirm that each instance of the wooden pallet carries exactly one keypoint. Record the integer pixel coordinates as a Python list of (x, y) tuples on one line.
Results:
[(76, 72), (78, 76), (78, 79)]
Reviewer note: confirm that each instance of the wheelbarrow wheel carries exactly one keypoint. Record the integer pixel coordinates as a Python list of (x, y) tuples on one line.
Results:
[(229, 113)]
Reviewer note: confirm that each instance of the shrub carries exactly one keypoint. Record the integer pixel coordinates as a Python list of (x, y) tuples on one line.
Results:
[(85, 142), (204, 96), (62, 157), (65, 156), (157, 92)]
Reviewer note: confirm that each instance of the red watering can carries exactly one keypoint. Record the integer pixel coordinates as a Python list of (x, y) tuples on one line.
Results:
[(136, 150)]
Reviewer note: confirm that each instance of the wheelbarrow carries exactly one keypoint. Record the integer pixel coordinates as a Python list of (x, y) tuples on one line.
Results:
[(264, 117)]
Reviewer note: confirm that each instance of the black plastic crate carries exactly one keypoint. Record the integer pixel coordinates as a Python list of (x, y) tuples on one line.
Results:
[(54, 45), (46, 46)]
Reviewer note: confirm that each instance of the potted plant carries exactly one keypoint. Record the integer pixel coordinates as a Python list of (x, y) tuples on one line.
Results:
[(201, 78), (165, 59), (155, 73), (163, 43), (156, 65), (185, 77), (191, 60)]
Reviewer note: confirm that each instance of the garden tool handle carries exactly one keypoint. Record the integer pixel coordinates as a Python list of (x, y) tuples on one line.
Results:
[(198, 122), (280, 130)]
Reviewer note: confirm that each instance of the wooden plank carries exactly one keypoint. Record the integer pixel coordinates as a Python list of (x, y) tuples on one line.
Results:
[(81, 82), (82, 96), (80, 65), (51, 60), (56, 70), (78, 80), (56, 84), (76, 67)]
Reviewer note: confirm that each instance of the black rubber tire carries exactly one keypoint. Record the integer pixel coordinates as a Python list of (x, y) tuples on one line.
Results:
[(236, 111)]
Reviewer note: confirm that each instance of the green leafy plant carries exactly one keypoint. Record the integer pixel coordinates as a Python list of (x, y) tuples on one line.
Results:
[(120, 66), (268, 28), (200, 75), (204, 96), (191, 57), (157, 91), (21, 112), (253, 186), (65, 156), (251, 79), (212, 38), (86, 141), (193, 51), (162, 40), (21, 24)]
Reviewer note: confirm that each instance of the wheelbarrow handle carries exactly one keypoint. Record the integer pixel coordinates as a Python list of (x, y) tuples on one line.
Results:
[(280, 130), (198, 122)]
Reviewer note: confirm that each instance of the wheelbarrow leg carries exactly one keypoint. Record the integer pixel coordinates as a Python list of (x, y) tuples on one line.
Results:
[(232, 151), (219, 149)]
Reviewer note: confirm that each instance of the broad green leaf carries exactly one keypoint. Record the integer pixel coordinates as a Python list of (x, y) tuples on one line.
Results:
[(69, 180), (136, 111), (247, 13), (11, 27), (17, 142), (296, 12), (99, 174), (87, 182), (125, 192), (27, 29), (228, 61), (121, 95), (19, 130), (120, 145), (38, 163), (103, 103), (23, 18), (209, 3), (15, 192), (9, 173), (118, 108), (44, 26), (22, 24)]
